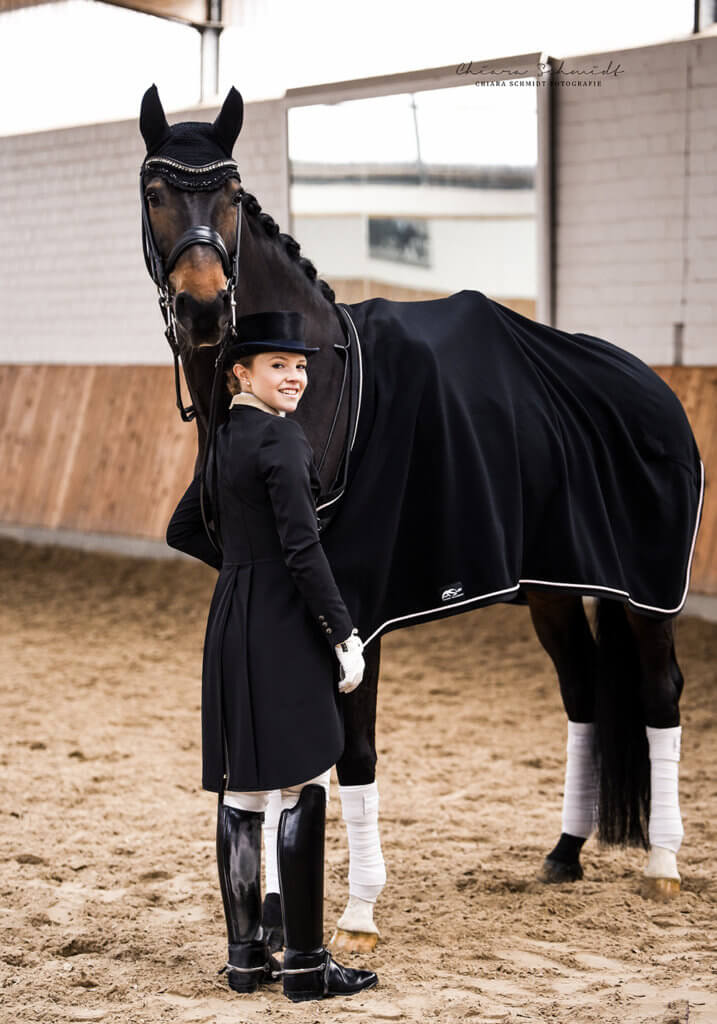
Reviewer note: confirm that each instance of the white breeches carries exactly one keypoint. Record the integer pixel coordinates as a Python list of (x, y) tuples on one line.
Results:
[(273, 802), (259, 800)]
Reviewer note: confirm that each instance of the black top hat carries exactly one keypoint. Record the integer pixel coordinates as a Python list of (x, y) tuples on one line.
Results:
[(269, 332)]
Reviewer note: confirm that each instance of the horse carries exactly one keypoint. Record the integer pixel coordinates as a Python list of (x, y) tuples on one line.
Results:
[(619, 680)]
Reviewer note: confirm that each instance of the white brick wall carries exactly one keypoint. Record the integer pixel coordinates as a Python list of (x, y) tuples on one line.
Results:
[(636, 202), (73, 285), (635, 210)]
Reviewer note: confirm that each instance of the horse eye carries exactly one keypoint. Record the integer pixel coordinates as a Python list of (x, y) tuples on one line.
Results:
[(236, 198), (152, 198)]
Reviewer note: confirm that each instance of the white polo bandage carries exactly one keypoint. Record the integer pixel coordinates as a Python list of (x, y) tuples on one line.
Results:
[(581, 781), (665, 828), (367, 870)]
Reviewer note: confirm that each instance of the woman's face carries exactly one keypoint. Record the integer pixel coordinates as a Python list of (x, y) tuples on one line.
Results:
[(277, 378)]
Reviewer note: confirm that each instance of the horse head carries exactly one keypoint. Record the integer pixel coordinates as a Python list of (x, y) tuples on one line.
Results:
[(194, 214), (190, 192)]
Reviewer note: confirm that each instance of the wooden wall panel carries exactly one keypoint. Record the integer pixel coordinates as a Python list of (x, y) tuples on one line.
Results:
[(102, 449), (696, 387), (95, 448)]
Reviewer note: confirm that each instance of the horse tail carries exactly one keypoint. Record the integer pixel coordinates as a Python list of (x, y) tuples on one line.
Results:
[(623, 754)]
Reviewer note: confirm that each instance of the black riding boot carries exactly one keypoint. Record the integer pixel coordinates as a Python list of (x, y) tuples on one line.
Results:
[(239, 862), (309, 971)]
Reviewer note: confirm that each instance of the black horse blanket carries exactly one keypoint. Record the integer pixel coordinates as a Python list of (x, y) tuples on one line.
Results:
[(494, 453)]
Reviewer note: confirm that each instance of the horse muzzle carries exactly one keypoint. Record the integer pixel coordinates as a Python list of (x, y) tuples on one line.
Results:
[(202, 322)]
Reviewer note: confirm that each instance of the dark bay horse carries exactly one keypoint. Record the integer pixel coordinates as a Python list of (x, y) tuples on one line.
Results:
[(620, 682)]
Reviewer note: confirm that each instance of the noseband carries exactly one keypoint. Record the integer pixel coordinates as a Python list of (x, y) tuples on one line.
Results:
[(210, 175)]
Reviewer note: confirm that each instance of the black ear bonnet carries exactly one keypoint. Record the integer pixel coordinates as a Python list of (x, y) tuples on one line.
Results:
[(192, 155)]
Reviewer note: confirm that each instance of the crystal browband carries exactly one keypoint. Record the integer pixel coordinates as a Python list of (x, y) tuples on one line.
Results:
[(162, 161)]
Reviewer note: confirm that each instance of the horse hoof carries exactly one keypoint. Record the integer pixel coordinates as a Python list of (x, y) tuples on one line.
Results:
[(556, 872), (274, 939), (662, 889), (353, 942)]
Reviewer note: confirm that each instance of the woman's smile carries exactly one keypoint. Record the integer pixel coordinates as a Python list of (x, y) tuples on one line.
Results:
[(277, 378)]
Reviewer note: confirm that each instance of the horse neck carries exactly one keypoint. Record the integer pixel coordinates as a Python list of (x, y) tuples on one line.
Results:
[(270, 280)]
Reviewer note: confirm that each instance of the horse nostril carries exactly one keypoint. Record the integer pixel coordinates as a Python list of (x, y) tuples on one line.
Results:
[(180, 308), (202, 318)]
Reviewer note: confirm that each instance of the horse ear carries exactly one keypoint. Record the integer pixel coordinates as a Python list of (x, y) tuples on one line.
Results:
[(229, 121), (152, 121)]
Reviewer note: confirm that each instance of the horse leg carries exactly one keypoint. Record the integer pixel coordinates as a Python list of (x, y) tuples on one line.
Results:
[(356, 930), (661, 685), (563, 631)]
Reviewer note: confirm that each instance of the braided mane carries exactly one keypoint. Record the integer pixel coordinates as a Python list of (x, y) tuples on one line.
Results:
[(291, 247)]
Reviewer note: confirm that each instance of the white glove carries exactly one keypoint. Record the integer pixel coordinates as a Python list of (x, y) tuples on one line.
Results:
[(351, 660)]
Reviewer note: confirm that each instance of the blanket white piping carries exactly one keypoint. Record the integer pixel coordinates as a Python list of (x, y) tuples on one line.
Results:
[(574, 586)]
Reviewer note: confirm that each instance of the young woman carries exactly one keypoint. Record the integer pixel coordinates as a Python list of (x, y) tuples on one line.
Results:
[(271, 712)]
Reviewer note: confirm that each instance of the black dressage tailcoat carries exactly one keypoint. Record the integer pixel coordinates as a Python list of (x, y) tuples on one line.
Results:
[(270, 705)]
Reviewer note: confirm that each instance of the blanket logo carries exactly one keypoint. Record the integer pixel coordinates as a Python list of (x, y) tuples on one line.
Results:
[(452, 591)]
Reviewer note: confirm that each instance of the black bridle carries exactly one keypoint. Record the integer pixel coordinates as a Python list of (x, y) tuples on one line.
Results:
[(159, 270), (198, 234)]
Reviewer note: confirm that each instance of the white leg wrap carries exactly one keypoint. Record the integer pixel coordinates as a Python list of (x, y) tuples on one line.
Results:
[(367, 870), (581, 781), (271, 828), (665, 829)]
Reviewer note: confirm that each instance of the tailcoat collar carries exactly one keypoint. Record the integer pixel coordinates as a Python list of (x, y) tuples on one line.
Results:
[(247, 398)]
